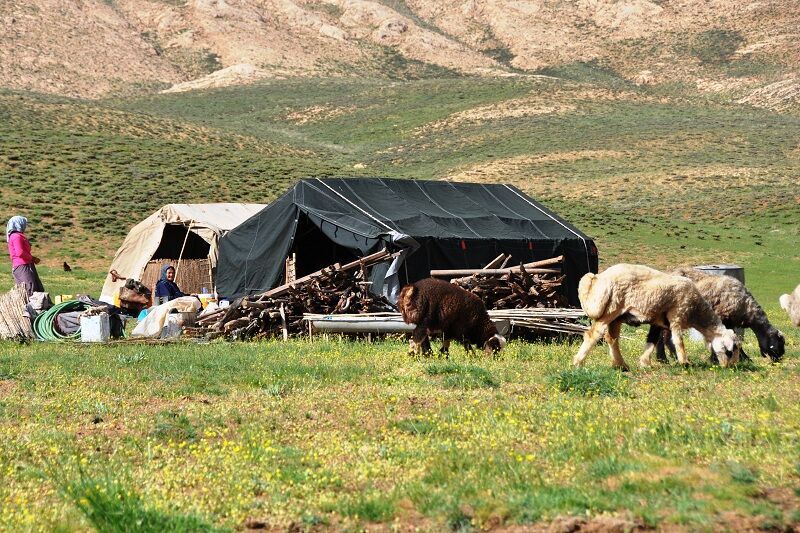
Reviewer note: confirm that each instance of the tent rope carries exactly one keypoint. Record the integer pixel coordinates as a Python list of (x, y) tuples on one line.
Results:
[(434, 202), (180, 255), (585, 246), (337, 193)]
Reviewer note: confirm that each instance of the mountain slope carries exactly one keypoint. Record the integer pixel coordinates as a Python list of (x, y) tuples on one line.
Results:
[(94, 48)]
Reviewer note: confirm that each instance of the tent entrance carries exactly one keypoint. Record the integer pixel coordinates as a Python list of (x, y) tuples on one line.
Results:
[(315, 250), (172, 243), (194, 273), (193, 276)]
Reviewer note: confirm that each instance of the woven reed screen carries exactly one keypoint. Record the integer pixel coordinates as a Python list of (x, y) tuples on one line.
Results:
[(193, 275)]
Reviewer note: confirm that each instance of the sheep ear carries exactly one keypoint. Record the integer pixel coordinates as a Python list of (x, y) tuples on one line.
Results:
[(784, 301)]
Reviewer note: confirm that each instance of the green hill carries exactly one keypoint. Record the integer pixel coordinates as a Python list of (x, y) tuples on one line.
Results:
[(655, 174)]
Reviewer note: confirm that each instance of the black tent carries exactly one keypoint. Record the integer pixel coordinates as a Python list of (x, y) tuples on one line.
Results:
[(440, 224)]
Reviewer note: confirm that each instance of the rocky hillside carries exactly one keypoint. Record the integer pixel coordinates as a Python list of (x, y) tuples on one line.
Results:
[(97, 48)]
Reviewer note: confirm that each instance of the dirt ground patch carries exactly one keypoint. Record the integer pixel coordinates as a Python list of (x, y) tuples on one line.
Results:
[(318, 113), (516, 108)]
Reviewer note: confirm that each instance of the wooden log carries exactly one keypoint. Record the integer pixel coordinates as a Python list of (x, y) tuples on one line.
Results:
[(236, 323)]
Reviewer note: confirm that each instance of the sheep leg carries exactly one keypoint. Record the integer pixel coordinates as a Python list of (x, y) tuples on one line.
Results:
[(590, 338), (680, 349), (612, 338), (445, 349), (658, 336), (419, 343)]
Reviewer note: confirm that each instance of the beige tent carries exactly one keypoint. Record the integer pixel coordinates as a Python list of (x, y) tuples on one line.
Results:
[(184, 235)]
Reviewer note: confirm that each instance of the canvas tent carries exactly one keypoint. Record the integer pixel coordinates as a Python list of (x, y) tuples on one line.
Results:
[(439, 224), (189, 232)]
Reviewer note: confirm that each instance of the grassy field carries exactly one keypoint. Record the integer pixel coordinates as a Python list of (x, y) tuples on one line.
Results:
[(670, 172), (343, 435)]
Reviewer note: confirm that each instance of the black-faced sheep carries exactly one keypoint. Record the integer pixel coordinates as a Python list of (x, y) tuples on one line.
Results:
[(736, 307), (639, 294), (791, 304), (437, 306)]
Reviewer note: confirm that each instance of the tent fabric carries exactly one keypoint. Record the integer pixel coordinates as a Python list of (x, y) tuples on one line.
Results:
[(208, 221), (453, 224)]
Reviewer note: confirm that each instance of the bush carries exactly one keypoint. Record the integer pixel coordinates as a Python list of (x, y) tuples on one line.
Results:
[(716, 46), (592, 381)]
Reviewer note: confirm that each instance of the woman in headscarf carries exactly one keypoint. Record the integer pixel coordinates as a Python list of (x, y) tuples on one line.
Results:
[(23, 264), (166, 286)]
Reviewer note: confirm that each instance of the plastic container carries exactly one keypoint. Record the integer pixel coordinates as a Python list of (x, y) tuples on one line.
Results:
[(61, 298), (95, 328), (205, 299)]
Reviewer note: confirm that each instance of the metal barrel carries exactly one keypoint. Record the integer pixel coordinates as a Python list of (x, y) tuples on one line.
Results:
[(734, 271)]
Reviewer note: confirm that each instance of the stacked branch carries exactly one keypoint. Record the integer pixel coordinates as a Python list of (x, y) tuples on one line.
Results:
[(528, 295), (14, 323), (521, 287), (279, 312)]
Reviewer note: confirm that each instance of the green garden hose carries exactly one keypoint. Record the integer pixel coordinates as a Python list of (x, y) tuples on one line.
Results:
[(44, 324)]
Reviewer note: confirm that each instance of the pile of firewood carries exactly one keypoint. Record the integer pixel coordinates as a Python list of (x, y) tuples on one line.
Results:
[(525, 286), (279, 311)]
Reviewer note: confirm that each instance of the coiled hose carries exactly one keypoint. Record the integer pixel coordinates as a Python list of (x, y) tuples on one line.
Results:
[(44, 325)]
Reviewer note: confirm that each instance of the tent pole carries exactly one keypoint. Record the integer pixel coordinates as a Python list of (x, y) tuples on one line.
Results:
[(180, 256)]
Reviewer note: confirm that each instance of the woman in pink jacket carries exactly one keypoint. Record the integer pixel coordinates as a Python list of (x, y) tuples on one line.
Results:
[(23, 264)]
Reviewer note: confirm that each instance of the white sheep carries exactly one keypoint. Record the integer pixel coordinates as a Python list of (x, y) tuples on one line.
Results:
[(791, 304), (636, 294), (736, 307)]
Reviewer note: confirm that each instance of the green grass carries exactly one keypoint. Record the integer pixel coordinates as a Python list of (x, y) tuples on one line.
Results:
[(591, 382), (342, 435), (345, 434), (109, 507), (676, 177)]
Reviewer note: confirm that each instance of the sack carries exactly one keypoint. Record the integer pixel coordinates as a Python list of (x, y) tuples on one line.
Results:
[(136, 286), (131, 296), (40, 301)]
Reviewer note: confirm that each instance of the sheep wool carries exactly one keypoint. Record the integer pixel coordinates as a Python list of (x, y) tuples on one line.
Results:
[(637, 294), (791, 304)]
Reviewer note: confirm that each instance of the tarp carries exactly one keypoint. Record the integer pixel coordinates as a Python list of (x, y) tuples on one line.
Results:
[(443, 224), (207, 221)]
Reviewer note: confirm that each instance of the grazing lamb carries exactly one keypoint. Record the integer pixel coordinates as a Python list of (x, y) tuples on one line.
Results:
[(638, 294), (736, 307), (791, 304), (438, 306)]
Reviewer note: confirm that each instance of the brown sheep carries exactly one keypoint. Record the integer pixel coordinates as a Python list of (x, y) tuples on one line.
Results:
[(639, 294), (437, 306)]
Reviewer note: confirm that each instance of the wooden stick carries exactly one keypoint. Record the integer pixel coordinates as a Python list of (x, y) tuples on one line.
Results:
[(283, 325), (496, 262), (336, 267), (490, 272), (526, 266)]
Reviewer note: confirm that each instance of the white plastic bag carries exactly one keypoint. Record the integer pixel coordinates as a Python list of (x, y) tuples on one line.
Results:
[(153, 324)]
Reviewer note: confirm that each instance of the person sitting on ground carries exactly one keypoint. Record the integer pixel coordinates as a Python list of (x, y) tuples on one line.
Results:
[(23, 264), (166, 286)]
